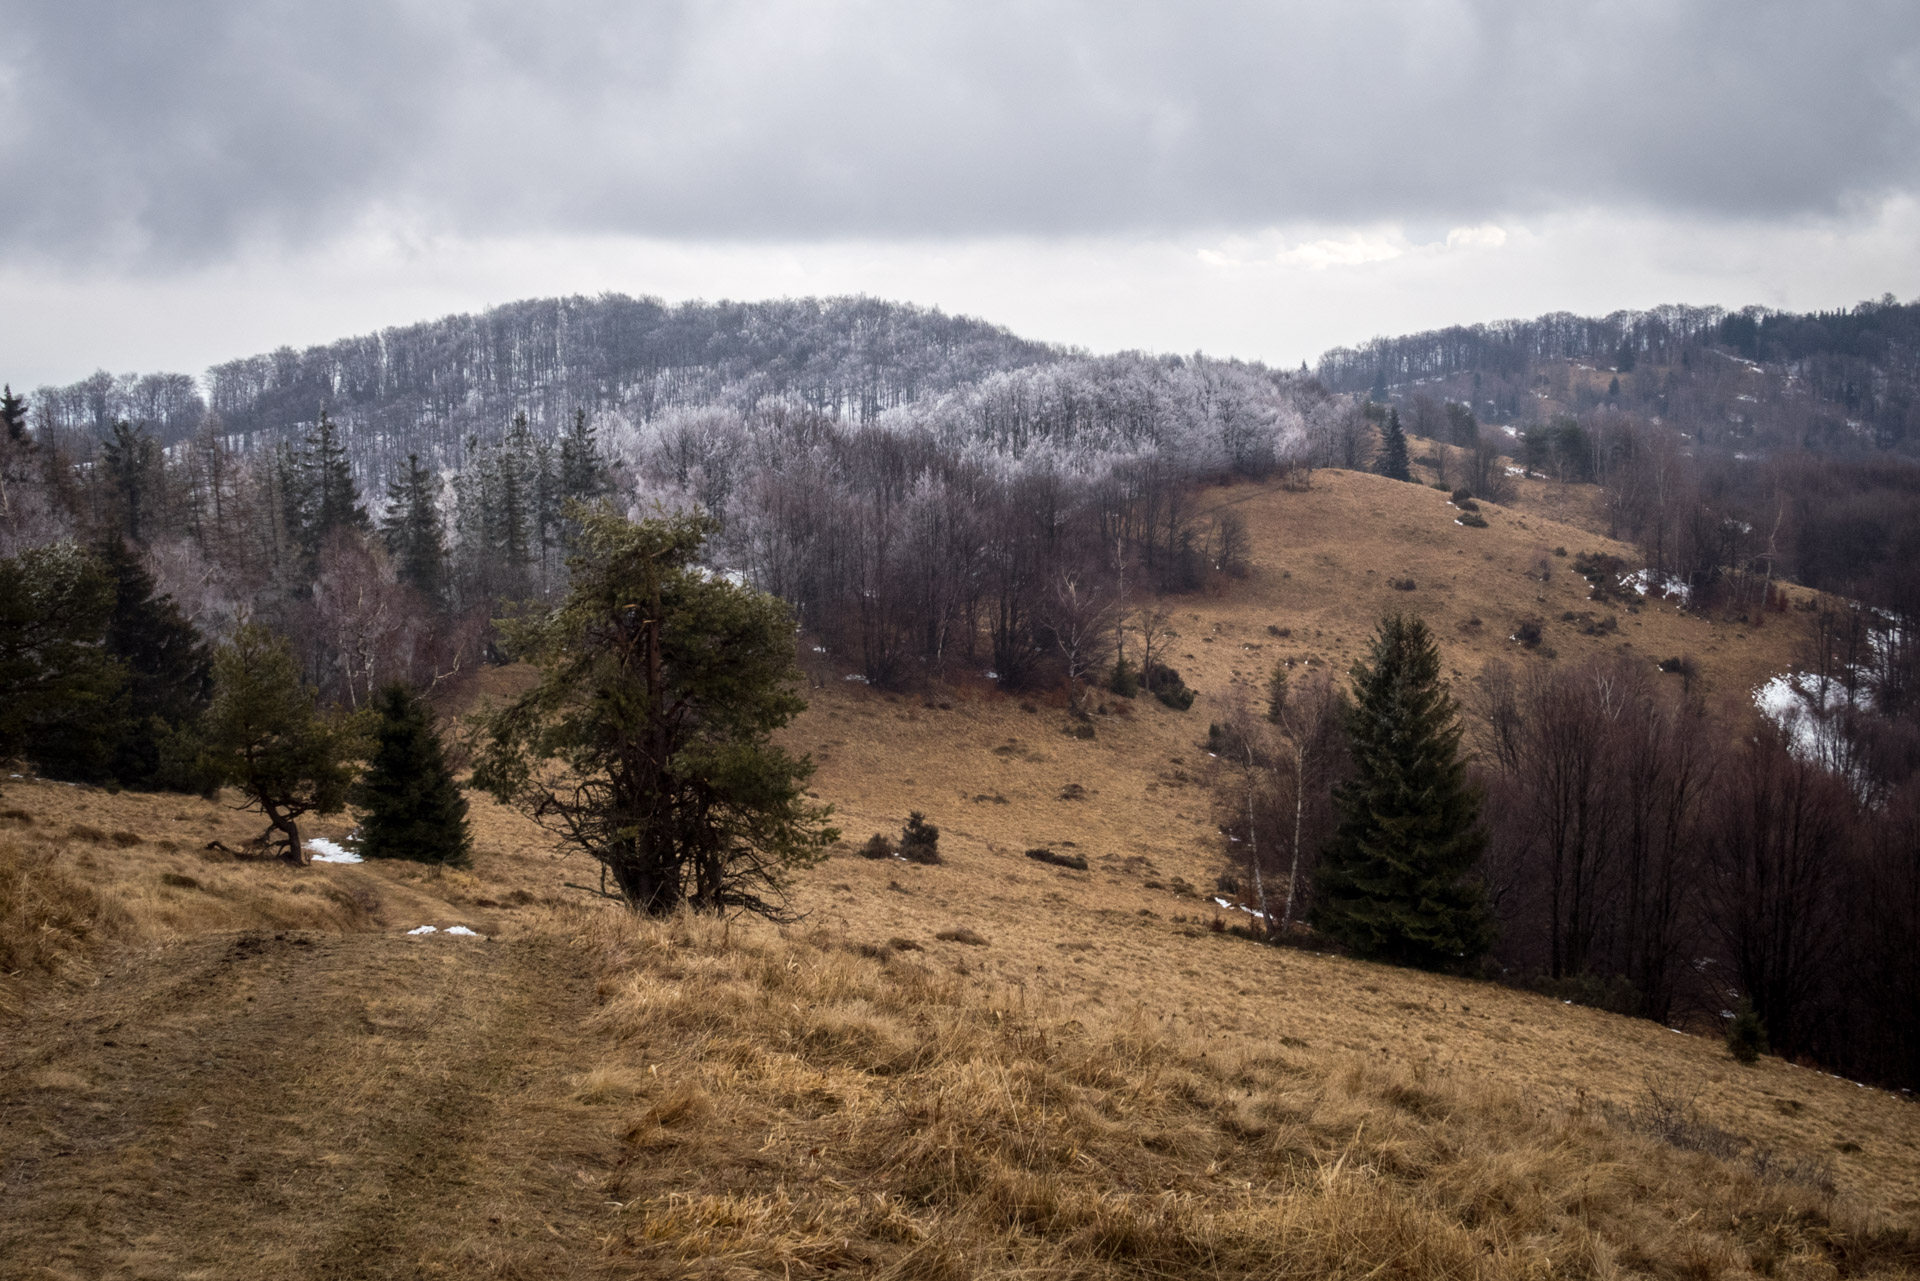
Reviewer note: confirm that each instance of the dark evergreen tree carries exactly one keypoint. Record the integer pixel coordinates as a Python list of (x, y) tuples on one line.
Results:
[(130, 467), (324, 498), (661, 686), (413, 533), (516, 494), (412, 807), (583, 472), (1392, 459), (58, 686), (582, 475), (13, 416), (169, 677), (1397, 881)]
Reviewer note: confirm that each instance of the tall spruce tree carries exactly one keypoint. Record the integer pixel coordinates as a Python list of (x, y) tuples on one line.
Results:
[(59, 687), (13, 416), (413, 533), (583, 474), (131, 469), (413, 808), (1392, 459), (325, 498), (169, 675), (1397, 881)]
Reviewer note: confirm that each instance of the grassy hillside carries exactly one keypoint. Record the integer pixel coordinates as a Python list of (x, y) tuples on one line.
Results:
[(986, 1067)]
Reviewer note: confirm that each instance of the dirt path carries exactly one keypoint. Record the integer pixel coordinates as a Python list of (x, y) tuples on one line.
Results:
[(306, 1106)]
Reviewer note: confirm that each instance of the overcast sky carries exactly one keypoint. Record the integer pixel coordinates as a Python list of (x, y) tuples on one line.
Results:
[(185, 182)]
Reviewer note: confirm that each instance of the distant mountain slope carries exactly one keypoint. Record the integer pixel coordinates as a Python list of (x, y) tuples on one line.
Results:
[(1842, 380), (431, 384)]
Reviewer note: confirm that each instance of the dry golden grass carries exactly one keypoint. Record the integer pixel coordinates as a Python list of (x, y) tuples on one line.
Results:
[(1131, 932), (806, 1106), (84, 870), (998, 1067)]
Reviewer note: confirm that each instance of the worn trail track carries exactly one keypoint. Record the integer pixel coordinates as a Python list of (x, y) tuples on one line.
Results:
[(299, 1106)]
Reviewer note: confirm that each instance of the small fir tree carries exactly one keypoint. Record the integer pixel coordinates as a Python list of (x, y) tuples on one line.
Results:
[(919, 840), (1392, 460), (413, 808), (1396, 882), (1746, 1034), (1277, 693)]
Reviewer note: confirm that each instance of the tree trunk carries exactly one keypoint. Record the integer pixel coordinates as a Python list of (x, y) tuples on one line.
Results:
[(1299, 814), (289, 826), (1253, 856)]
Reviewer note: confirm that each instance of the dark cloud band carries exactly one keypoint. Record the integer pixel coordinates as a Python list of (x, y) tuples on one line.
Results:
[(172, 132)]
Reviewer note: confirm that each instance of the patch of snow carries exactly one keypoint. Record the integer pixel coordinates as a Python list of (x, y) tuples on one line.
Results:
[(1647, 583), (819, 649), (1516, 471), (463, 931), (423, 929), (323, 850), (856, 676), (1803, 708)]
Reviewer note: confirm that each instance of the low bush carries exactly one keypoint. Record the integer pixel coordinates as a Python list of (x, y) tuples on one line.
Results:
[(919, 840), (1166, 685), (1471, 521), (1078, 862), (877, 846)]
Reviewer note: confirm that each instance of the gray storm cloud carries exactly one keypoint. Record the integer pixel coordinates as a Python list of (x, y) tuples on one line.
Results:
[(172, 133)]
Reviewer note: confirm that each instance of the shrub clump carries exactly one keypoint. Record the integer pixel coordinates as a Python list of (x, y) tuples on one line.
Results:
[(1123, 681), (879, 845), (1078, 862), (919, 840), (1472, 520), (1166, 685)]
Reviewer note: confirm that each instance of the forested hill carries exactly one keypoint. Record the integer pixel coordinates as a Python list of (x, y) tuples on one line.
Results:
[(432, 384), (1842, 381)]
